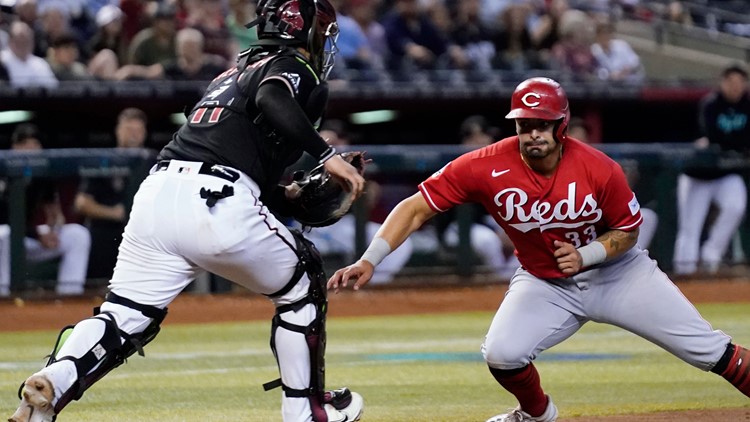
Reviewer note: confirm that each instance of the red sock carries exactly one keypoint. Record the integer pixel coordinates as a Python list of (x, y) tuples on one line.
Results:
[(738, 370), (525, 385)]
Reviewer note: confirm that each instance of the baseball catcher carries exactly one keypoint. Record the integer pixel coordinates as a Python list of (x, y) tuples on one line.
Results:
[(210, 203)]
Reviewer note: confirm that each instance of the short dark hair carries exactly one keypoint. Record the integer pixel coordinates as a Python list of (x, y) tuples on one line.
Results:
[(23, 132), (132, 113), (65, 39), (735, 68)]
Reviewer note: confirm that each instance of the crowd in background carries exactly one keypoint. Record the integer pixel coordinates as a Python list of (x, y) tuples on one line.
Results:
[(46, 41)]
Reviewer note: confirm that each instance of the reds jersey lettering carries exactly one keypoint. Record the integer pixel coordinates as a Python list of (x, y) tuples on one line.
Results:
[(543, 215), (587, 196)]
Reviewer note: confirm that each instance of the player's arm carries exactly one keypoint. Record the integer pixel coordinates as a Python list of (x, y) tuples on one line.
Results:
[(609, 245), (285, 115), (86, 205), (408, 216)]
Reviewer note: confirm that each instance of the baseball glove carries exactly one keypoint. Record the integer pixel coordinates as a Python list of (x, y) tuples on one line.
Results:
[(322, 199)]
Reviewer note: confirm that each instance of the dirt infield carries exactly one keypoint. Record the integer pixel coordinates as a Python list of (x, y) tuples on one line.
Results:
[(49, 313)]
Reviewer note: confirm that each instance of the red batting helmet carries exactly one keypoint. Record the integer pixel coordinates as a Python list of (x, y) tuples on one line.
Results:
[(541, 98)]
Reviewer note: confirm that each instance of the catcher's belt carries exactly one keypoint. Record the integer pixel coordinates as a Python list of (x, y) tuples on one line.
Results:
[(217, 170)]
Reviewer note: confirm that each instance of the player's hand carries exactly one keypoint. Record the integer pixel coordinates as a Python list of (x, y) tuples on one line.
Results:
[(361, 272), (49, 240), (569, 260), (338, 167)]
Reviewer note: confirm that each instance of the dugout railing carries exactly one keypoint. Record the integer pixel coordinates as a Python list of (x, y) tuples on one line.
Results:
[(658, 166)]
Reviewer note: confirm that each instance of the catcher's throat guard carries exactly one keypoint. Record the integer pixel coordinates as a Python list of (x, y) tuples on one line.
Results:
[(322, 200)]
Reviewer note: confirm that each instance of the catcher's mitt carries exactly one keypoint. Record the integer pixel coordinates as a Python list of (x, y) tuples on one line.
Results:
[(322, 199)]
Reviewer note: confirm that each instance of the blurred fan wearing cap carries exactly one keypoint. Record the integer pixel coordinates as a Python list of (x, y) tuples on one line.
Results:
[(109, 35)]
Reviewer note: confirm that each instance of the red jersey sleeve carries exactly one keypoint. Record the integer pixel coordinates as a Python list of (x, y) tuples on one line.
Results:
[(619, 204), (451, 185)]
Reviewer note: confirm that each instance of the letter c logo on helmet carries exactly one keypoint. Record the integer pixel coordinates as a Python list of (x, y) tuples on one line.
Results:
[(528, 103), (544, 99)]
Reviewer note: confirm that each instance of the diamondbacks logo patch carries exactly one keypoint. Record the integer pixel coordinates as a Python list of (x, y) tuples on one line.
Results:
[(293, 79)]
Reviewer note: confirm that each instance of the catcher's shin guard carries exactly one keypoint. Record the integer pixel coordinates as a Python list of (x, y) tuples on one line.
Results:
[(109, 352), (314, 332), (734, 366)]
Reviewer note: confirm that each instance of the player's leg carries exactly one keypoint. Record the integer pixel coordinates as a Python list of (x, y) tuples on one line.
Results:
[(730, 195), (269, 260), (534, 316), (145, 280), (4, 260), (693, 202), (636, 295), (75, 245), (648, 227)]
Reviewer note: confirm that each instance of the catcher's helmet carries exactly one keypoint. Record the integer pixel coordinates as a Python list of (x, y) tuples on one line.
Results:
[(541, 98), (307, 23)]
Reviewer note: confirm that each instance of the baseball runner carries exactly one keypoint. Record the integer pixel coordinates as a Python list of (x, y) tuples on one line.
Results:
[(207, 206), (723, 120), (574, 222)]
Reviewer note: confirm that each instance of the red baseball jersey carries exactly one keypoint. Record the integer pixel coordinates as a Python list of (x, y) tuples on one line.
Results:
[(588, 195)]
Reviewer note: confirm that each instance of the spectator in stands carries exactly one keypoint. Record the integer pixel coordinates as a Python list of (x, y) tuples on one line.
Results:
[(492, 9), (488, 241), (102, 200), (24, 68), (677, 13), (413, 39), (240, 13), (192, 64), (208, 18), (616, 59), (63, 59), (49, 233), (338, 238), (724, 118), (354, 49), (513, 44), (26, 11), (54, 21), (108, 35), (578, 129), (470, 33), (572, 55), (545, 31), (136, 17), (155, 44), (365, 13)]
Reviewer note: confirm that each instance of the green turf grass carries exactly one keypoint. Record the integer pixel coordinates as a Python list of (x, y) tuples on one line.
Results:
[(411, 368)]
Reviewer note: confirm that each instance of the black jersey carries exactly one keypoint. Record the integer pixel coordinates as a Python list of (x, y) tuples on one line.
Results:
[(226, 127), (726, 125)]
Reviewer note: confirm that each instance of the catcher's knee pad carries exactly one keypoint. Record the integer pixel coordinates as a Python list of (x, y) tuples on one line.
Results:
[(315, 332), (109, 351)]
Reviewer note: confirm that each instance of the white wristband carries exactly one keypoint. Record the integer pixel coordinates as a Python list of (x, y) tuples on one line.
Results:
[(593, 253), (377, 251)]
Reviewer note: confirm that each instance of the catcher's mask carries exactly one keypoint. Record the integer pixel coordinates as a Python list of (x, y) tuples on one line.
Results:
[(544, 99), (307, 23), (322, 200)]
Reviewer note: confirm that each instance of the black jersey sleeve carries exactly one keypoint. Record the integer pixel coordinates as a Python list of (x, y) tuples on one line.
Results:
[(291, 99), (287, 117)]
